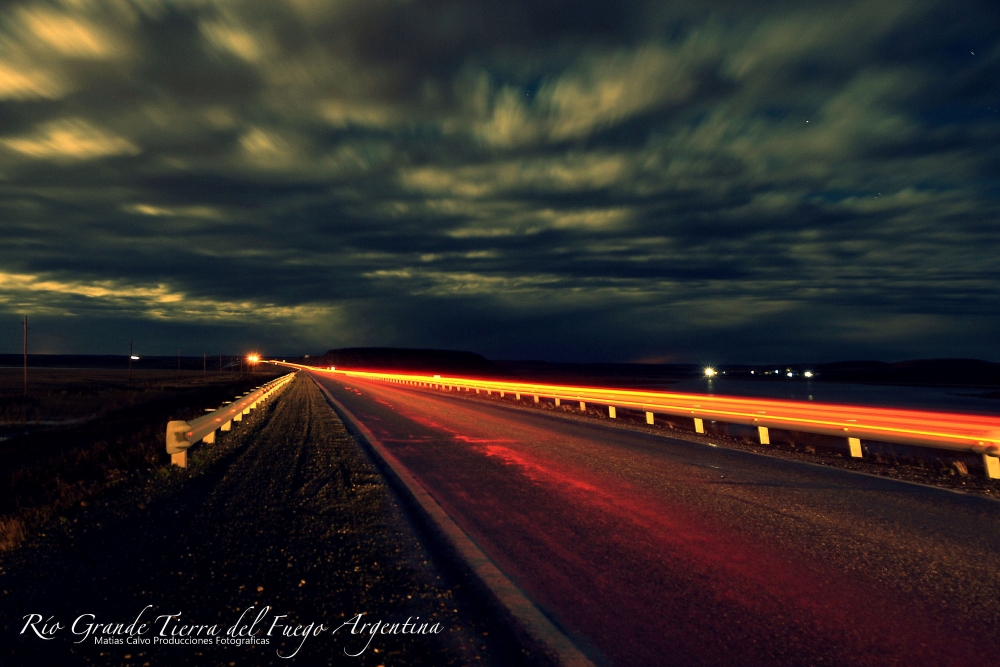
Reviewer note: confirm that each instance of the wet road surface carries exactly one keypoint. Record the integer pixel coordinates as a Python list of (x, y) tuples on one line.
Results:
[(650, 550)]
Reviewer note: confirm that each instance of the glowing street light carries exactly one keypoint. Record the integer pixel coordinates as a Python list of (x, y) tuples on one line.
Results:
[(710, 372)]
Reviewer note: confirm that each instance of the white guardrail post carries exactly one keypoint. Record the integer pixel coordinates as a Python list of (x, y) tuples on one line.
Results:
[(182, 434)]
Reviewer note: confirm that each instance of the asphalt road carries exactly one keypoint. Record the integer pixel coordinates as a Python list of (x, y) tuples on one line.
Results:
[(655, 551)]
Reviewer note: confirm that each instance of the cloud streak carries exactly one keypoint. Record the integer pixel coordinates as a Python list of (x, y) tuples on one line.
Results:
[(612, 182)]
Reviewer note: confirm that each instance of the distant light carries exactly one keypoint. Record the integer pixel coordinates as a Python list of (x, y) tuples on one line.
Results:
[(134, 358), (253, 358), (790, 374), (709, 372), (751, 372), (333, 368), (808, 374), (437, 377)]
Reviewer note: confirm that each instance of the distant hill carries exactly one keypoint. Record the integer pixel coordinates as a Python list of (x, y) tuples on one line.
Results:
[(439, 362), (601, 374)]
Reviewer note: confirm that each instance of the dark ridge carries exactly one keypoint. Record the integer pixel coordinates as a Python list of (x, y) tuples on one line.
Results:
[(439, 362), (601, 374)]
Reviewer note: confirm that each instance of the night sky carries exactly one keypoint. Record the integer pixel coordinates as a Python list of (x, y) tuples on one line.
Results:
[(573, 181)]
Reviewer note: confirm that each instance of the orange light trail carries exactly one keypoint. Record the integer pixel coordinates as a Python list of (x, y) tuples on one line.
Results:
[(977, 433)]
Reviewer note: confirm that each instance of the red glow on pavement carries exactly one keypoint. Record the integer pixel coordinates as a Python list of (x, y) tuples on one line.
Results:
[(533, 527), (536, 472)]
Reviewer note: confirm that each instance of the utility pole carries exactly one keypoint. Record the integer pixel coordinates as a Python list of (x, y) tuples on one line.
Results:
[(130, 363), (25, 355)]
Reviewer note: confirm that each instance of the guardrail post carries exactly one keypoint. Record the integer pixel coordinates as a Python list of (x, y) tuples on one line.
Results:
[(536, 398), (699, 425), (209, 439), (228, 426), (557, 402), (501, 394), (583, 406), (765, 438), (611, 412), (992, 464), (177, 443), (855, 446), (649, 417), (517, 396)]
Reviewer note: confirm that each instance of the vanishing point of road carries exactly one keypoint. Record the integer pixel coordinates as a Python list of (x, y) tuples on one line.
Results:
[(656, 551)]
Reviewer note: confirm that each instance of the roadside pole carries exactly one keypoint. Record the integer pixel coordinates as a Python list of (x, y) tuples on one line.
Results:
[(25, 355)]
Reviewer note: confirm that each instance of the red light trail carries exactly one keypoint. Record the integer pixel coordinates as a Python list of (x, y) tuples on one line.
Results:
[(976, 433)]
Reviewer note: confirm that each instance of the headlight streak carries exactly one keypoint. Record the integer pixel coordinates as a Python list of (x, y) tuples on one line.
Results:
[(977, 433)]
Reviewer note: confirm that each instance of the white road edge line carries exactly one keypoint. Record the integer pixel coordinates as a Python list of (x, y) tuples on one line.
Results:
[(507, 594)]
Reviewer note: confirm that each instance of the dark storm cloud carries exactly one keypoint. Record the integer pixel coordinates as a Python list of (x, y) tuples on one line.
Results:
[(599, 180)]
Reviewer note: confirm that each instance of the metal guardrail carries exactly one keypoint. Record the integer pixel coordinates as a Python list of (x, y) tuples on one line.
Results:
[(182, 434), (979, 434)]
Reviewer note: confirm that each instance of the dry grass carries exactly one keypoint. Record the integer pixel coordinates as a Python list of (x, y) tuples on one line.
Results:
[(11, 532), (104, 432), (57, 395)]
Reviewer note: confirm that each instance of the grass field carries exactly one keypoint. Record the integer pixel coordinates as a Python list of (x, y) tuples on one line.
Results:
[(79, 432), (62, 395)]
